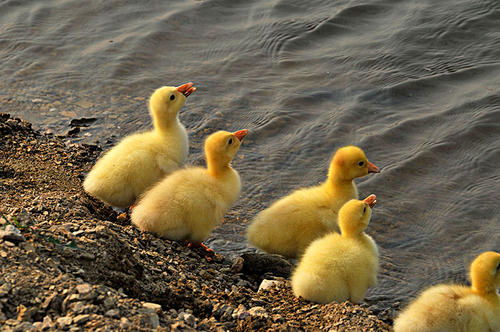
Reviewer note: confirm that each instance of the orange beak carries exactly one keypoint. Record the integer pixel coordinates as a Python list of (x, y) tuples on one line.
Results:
[(241, 134), (186, 89), (371, 200), (372, 168)]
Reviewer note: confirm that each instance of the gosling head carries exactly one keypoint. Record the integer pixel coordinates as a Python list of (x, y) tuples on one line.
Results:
[(354, 216), (221, 147), (350, 162), (485, 273), (165, 103)]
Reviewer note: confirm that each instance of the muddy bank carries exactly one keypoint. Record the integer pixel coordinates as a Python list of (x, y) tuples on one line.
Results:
[(67, 262)]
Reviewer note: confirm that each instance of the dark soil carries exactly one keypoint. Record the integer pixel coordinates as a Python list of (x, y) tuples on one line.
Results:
[(77, 266)]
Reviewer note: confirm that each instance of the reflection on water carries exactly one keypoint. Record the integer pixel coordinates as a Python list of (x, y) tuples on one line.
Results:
[(416, 85)]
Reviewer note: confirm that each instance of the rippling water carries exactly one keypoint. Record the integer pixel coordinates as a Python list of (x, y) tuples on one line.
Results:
[(415, 84)]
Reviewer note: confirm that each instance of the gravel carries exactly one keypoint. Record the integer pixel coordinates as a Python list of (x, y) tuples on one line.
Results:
[(67, 262)]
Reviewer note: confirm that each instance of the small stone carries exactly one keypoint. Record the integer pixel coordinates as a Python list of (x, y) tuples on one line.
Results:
[(153, 320), (81, 319), (268, 284), (64, 322), (37, 100), (11, 233), (87, 255), (124, 323), (237, 265), (84, 288), (24, 326), (188, 318), (47, 323), (153, 306), (114, 313), (109, 303), (24, 314), (49, 300), (5, 289), (258, 311)]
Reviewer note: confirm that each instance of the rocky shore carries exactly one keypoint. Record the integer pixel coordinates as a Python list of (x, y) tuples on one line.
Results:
[(67, 262)]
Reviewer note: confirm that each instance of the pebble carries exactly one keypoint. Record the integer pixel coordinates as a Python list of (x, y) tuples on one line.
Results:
[(258, 311), (64, 322), (24, 326), (124, 323), (11, 233), (114, 313), (84, 288), (188, 318), (81, 319), (153, 306), (268, 284)]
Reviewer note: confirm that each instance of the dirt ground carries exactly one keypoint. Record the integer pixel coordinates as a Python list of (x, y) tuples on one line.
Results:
[(69, 263)]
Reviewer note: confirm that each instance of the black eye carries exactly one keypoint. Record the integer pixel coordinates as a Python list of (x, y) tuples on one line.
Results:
[(361, 163), (230, 141), (364, 209), (172, 97)]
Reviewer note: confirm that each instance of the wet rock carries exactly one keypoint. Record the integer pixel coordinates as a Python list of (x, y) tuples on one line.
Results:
[(11, 233), (82, 122), (260, 264)]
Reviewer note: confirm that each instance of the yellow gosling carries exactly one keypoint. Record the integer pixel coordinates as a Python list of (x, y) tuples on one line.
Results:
[(290, 224), (188, 204), (447, 308), (140, 160), (340, 267)]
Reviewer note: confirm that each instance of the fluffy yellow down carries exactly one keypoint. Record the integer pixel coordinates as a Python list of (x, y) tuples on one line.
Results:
[(450, 308), (188, 204), (290, 224), (340, 267), (123, 173)]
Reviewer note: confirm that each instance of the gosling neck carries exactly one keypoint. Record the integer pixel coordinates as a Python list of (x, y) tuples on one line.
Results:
[(217, 168), (351, 234), (164, 125), (338, 184), (484, 286)]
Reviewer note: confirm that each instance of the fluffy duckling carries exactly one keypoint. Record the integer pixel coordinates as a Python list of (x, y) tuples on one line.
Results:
[(142, 159), (289, 225), (458, 308), (188, 204), (340, 267)]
